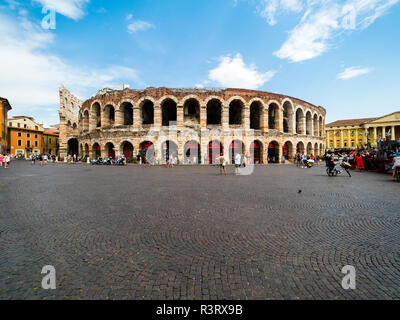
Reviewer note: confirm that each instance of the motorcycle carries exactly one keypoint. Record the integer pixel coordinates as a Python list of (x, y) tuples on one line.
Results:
[(106, 162), (119, 162), (339, 168), (98, 161)]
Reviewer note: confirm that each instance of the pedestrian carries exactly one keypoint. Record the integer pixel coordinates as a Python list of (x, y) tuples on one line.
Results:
[(33, 158), (1, 160), (283, 159), (4, 161), (359, 162), (222, 164), (74, 157), (45, 159), (303, 160), (298, 159), (396, 165), (8, 159), (238, 161), (40, 159)]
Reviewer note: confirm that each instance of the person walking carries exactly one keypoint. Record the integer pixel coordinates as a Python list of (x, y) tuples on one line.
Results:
[(396, 165), (238, 161), (359, 162), (40, 159), (33, 158), (1, 160), (298, 159), (222, 164)]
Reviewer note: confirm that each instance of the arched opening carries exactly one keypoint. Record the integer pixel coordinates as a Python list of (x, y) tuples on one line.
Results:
[(320, 127), (74, 127), (299, 121), (273, 152), (255, 115), (109, 115), (168, 108), (287, 117), (96, 151), (287, 150), (80, 149), (127, 111), (96, 114), (86, 150), (316, 151), (73, 147), (321, 149), (315, 125), (235, 112), (169, 150), (308, 123), (273, 116), (127, 150), (147, 152), (234, 148), (300, 147), (215, 149), (309, 149), (191, 112), (86, 121), (69, 124), (214, 111), (192, 152), (110, 150), (148, 112), (256, 152)]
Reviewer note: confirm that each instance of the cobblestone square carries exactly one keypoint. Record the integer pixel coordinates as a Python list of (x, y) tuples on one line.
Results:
[(189, 233)]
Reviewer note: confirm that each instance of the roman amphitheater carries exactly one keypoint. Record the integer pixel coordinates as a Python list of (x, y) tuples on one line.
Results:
[(192, 125)]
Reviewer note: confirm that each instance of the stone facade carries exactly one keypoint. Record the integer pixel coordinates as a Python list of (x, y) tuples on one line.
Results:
[(263, 125)]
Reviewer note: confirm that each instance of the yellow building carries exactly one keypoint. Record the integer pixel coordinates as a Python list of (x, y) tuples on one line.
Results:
[(356, 133), (50, 140), (25, 136), (4, 108)]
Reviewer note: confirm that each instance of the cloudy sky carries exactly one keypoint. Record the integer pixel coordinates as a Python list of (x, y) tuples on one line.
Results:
[(342, 55)]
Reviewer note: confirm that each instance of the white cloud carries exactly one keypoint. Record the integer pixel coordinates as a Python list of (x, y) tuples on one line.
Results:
[(321, 22), (234, 73), (353, 72), (30, 76), (129, 16), (70, 8), (269, 8), (139, 25)]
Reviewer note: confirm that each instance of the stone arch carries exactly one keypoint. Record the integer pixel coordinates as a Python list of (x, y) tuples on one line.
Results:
[(86, 150), (96, 150), (288, 114), (273, 115), (214, 111), (147, 111), (169, 111), (169, 150), (109, 148), (168, 97), (231, 99), (73, 146), (308, 123), (236, 146), (321, 149), (215, 148), (300, 120), (256, 111), (147, 152), (109, 115), (126, 109), (191, 111), (236, 111), (315, 125), (256, 152), (320, 126), (126, 148), (300, 147), (95, 114), (309, 148), (274, 152), (192, 152), (287, 150), (86, 120), (316, 150)]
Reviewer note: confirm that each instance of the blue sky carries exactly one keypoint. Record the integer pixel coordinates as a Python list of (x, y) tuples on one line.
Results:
[(342, 55)]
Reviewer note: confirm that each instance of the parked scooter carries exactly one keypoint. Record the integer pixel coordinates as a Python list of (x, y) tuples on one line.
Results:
[(106, 162), (98, 161), (119, 162)]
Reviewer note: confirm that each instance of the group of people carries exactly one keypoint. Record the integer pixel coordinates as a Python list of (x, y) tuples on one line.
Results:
[(302, 159), (42, 158), (5, 160), (239, 161)]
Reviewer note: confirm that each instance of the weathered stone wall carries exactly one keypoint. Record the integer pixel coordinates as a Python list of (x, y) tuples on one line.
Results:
[(115, 132)]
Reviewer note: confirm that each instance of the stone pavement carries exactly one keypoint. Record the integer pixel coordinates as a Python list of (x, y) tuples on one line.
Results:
[(188, 233)]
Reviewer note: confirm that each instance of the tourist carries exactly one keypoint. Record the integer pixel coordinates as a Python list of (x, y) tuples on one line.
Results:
[(303, 160), (396, 165), (40, 159), (1, 160), (298, 159), (45, 159), (283, 159), (33, 158), (222, 164), (74, 157), (244, 161), (53, 157), (238, 161)]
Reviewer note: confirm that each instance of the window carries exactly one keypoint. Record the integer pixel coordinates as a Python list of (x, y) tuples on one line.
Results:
[(19, 143), (330, 133), (36, 144), (345, 133), (331, 145), (24, 125), (345, 144), (35, 135), (19, 134), (10, 124), (352, 133), (18, 124), (338, 145), (50, 140), (28, 144), (352, 144), (28, 135)]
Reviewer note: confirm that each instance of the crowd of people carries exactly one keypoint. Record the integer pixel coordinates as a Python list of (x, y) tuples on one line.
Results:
[(5, 160), (42, 158), (305, 161)]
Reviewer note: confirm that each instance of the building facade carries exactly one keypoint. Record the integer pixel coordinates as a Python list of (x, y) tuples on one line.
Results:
[(4, 108), (357, 133), (191, 124), (50, 140), (25, 136)]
